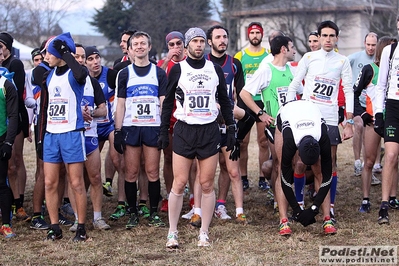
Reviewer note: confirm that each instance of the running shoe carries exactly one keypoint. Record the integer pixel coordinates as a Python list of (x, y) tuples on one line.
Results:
[(189, 214), (195, 220), (53, 235), (39, 223), (100, 224), (132, 222), (144, 211), (7, 232), (155, 221), (358, 168), (394, 204), (263, 185), (164, 207), (328, 226), (377, 168), (241, 218), (365, 207), (374, 180), (172, 240), (21, 215), (203, 240), (80, 236), (74, 227), (284, 228), (107, 189), (245, 184), (221, 213), (67, 209), (62, 220), (119, 212), (383, 217)]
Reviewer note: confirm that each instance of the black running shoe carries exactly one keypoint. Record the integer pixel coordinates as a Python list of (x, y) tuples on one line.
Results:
[(54, 235), (383, 217), (80, 236), (62, 220)]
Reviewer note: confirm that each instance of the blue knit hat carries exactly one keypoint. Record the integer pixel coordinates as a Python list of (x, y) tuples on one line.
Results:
[(67, 38)]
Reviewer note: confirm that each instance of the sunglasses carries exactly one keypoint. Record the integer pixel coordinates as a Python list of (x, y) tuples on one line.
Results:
[(172, 44)]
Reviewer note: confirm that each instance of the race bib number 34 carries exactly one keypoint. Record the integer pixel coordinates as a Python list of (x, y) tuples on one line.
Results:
[(143, 110), (58, 111)]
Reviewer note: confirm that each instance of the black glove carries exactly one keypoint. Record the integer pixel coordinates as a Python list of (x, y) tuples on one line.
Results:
[(61, 47), (119, 141), (39, 150), (367, 119), (341, 116), (163, 140), (379, 124), (235, 152), (6, 151), (307, 217), (231, 137)]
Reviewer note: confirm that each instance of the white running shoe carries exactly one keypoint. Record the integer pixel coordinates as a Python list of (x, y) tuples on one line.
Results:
[(374, 180), (377, 169), (172, 240), (189, 214), (100, 224), (203, 240), (221, 213)]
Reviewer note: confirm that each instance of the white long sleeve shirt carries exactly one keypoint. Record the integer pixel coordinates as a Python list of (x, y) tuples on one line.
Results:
[(322, 72), (387, 79)]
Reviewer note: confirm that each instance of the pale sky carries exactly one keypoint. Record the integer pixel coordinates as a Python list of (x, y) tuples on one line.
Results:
[(77, 22)]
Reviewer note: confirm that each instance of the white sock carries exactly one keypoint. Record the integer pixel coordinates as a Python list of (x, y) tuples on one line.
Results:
[(96, 215), (239, 211), (198, 211)]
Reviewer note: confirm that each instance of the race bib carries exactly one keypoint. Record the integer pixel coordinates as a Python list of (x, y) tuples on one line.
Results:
[(324, 90), (198, 104), (143, 109), (58, 111), (282, 95)]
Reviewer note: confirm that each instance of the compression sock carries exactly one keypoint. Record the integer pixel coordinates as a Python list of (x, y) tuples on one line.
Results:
[(131, 195), (154, 190), (299, 183)]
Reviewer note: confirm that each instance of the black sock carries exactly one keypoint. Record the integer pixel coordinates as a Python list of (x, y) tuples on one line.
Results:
[(392, 198), (122, 203), (131, 195), (5, 202), (154, 190), (22, 197), (262, 178), (368, 199), (66, 200), (109, 180), (18, 203), (81, 227), (244, 177), (142, 202), (55, 227), (37, 214)]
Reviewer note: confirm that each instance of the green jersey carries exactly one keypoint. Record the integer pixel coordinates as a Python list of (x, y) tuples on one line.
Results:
[(275, 94)]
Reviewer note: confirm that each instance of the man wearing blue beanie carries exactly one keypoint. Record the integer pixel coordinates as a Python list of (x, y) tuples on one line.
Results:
[(61, 126)]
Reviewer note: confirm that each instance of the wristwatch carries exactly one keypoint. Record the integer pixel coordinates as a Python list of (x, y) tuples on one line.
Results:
[(314, 208), (350, 121), (261, 112)]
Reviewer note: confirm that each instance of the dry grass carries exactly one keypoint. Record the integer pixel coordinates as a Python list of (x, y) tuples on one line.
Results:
[(257, 243)]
